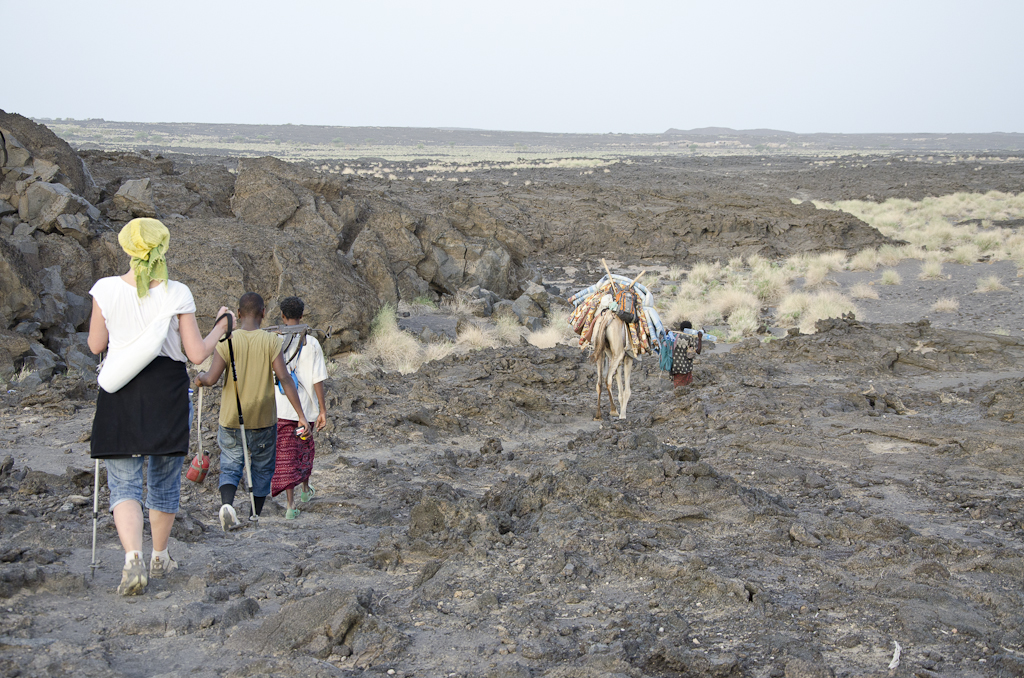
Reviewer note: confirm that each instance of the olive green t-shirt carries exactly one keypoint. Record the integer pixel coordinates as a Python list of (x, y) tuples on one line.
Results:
[(255, 351)]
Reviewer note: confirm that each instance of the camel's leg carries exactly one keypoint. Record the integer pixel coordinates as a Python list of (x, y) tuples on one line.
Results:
[(597, 415), (612, 412), (627, 367), (615, 369)]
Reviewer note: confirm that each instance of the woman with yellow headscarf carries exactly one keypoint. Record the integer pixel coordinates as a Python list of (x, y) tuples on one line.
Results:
[(147, 324)]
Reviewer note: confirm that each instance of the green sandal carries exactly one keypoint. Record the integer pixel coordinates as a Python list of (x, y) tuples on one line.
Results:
[(306, 496), (291, 514)]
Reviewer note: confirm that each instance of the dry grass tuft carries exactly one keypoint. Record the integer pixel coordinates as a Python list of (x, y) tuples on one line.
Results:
[(946, 305), (891, 276), (728, 300), (865, 260), (804, 310), (457, 304), (557, 331), (890, 255), (863, 291), (931, 270), (816, 274), (703, 273), (742, 323), (507, 329), (792, 307), (990, 284), (834, 260), (966, 254), (395, 349), (826, 304), (437, 351), (475, 337), (769, 283)]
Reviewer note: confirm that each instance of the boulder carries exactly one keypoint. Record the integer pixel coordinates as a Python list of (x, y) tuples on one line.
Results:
[(539, 295), (78, 357), (43, 362), (220, 259), (18, 298), (135, 197), (17, 155), (524, 307), (53, 298), (42, 143), (76, 226), (404, 254), (13, 347), (481, 308), (41, 204), (262, 199)]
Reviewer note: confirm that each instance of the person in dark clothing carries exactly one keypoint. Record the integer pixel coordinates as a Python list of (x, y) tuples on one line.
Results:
[(687, 346)]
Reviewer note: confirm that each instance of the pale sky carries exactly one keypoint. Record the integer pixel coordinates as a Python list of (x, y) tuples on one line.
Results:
[(549, 66)]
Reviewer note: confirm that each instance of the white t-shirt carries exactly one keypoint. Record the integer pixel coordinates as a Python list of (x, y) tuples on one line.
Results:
[(127, 316), (311, 369)]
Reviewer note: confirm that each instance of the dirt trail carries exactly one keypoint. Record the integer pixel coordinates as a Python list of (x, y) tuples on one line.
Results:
[(806, 504)]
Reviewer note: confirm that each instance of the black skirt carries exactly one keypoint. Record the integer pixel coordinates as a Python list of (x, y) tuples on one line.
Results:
[(148, 415)]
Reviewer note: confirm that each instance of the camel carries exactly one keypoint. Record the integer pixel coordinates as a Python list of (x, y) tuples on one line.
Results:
[(609, 355)]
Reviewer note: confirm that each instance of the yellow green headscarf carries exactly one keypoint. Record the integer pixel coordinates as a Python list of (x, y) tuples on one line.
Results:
[(146, 240)]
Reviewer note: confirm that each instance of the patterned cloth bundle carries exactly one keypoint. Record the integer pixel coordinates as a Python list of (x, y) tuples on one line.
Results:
[(643, 335)]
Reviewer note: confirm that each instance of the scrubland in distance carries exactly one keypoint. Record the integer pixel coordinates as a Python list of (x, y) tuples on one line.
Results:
[(960, 227)]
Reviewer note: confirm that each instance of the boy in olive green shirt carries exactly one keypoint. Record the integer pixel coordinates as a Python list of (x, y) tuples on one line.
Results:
[(257, 359)]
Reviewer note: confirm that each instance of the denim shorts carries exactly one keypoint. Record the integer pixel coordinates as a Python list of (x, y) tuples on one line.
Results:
[(262, 444), (163, 481)]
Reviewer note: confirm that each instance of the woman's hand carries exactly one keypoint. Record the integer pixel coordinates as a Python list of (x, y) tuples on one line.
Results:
[(222, 324)]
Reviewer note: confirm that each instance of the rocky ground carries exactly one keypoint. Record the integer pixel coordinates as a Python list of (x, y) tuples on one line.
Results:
[(806, 506)]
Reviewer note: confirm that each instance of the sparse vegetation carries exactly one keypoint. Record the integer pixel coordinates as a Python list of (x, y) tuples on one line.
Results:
[(476, 337), (863, 291), (865, 260), (507, 329), (804, 310), (393, 348), (946, 305), (990, 284), (931, 270), (961, 226), (891, 276)]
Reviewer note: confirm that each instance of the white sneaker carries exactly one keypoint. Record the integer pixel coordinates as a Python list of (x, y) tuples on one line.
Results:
[(159, 567), (228, 517), (133, 578)]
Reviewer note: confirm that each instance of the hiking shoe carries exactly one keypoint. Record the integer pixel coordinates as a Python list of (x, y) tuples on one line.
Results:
[(133, 578), (291, 514), (228, 517), (306, 496), (160, 567)]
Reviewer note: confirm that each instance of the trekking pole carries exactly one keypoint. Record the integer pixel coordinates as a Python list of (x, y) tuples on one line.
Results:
[(241, 425), (95, 513)]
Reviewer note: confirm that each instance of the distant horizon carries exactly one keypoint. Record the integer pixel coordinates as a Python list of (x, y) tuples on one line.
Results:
[(710, 130)]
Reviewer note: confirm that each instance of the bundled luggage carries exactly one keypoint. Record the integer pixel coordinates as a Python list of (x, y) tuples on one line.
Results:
[(631, 301)]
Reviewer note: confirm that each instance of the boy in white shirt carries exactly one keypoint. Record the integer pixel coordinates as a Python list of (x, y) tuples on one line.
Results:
[(295, 449)]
